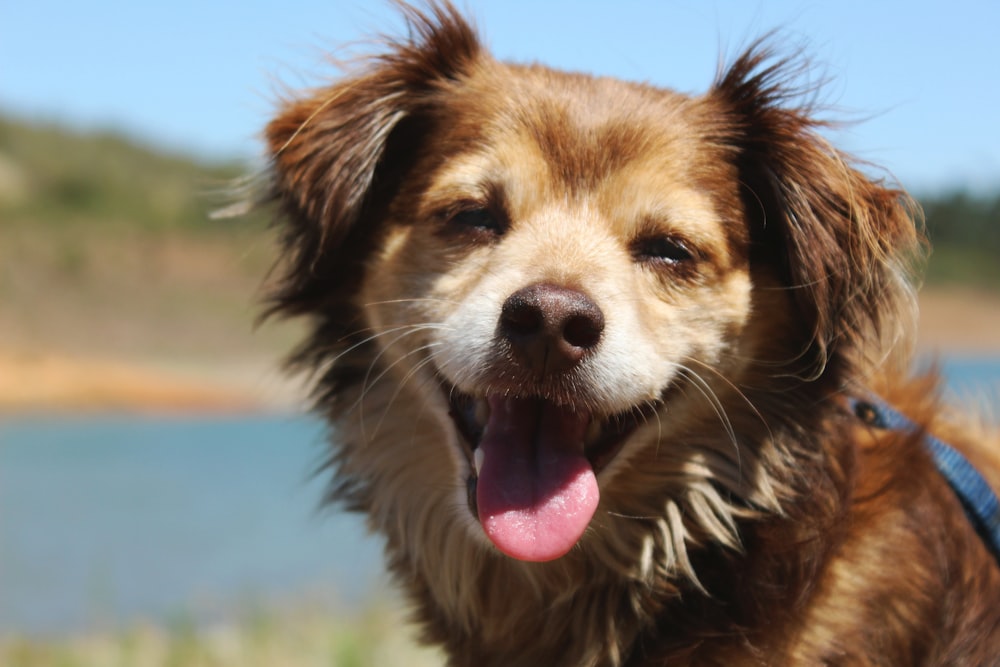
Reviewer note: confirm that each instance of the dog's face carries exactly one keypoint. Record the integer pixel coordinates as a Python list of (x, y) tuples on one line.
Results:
[(555, 280), (574, 252)]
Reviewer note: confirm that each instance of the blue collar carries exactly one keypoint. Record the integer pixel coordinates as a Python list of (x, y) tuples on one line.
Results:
[(977, 498)]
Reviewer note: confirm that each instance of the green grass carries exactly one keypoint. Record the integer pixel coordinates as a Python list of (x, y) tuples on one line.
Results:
[(378, 637)]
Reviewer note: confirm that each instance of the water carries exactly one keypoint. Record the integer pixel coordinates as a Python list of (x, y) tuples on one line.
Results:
[(104, 521), (973, 379)]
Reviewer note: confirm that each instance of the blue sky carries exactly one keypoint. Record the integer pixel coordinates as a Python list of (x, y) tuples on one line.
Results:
[(921, 78)]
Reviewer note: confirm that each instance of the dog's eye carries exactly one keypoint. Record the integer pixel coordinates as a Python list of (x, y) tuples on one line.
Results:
[(477, 219), (665, 249)]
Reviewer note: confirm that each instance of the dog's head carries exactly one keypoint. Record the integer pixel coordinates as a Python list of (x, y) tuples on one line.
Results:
[(565, 278)]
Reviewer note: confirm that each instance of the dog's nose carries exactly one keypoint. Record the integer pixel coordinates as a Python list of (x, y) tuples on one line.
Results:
[(550, 328)]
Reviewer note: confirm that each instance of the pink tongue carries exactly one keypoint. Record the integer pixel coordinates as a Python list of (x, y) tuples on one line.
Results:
[(537, 491)]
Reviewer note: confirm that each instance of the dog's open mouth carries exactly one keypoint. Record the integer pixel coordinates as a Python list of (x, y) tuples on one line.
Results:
[(533, 468)]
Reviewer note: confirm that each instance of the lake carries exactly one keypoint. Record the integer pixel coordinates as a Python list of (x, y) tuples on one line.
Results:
[(108, 520)]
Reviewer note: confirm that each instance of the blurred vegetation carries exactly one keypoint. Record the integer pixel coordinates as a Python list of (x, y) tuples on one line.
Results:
[(56, 177), (965, 233), (374, 638)]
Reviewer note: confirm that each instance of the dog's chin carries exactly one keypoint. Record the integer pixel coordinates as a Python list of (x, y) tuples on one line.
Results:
[(533, 464)]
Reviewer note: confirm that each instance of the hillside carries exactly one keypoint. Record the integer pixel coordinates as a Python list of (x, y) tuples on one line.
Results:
[(57, 177), (106, 244), (107, 252)]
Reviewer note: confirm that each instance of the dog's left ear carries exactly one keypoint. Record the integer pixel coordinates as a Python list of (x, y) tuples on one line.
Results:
[(841, 242), (339, 155)]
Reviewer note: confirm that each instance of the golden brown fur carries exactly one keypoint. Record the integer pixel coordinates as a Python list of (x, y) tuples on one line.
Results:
[(747, 277)]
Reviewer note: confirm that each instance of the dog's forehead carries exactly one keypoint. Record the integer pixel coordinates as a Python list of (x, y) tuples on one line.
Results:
[(583, 127), (545, 136)]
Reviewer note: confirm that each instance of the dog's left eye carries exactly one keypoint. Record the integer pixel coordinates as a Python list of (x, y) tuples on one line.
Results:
[(477, 219), (665, 249)]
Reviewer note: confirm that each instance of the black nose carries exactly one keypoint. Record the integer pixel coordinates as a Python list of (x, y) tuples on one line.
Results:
[(550, 328)]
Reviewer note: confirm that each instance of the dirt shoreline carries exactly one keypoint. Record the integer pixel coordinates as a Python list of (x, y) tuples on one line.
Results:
[(952, 322), (34, 382), (959, 321)]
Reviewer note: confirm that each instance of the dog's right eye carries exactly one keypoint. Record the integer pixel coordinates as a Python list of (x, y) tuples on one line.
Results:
[(667, 250), (477, 219)]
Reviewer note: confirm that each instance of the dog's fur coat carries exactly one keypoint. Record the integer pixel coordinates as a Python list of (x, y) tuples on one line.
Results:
[(730, 280)]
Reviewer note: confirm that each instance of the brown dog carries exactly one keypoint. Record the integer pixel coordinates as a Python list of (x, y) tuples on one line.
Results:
[(594, 350)]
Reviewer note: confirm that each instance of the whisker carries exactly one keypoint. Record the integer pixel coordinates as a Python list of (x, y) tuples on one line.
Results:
[(406, 378), (422, 299), (735, 388), (367, 382), (709, 394), (328, 363)]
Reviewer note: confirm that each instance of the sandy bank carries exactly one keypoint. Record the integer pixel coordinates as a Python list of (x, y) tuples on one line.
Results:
[(959, 321), (44, 382)]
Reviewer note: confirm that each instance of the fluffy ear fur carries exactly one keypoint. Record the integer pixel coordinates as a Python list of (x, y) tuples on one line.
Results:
[(844, 242), (337, 157)]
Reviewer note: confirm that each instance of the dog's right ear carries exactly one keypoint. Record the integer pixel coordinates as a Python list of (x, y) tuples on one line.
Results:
[(337, 153)]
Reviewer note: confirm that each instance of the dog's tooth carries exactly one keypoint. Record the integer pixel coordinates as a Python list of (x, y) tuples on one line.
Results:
[(593, 432), (482, 413), (477, 459)]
